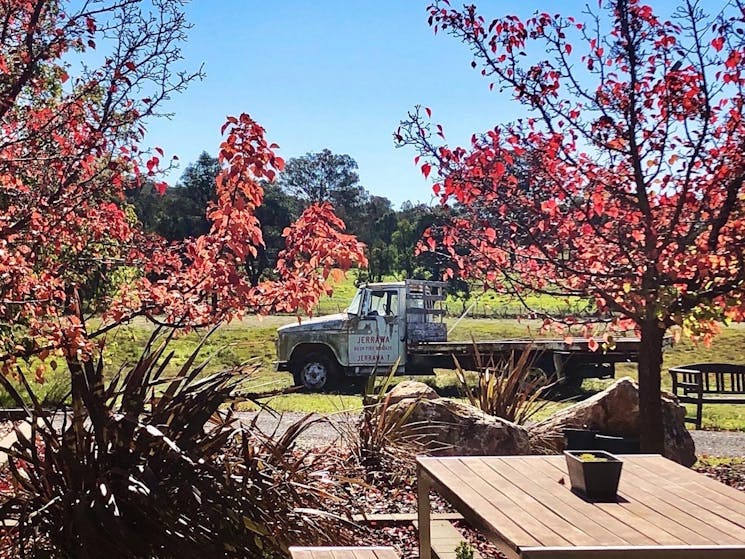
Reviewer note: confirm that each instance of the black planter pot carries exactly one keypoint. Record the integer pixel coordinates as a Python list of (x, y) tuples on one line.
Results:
[(596, 480), (617, 445), (579, 439)]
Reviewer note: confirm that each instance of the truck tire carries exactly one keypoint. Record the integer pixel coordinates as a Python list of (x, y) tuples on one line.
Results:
[(316, 371), (543, 370)]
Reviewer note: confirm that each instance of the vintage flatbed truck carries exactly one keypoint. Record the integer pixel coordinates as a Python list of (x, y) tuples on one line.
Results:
[(403, 321)]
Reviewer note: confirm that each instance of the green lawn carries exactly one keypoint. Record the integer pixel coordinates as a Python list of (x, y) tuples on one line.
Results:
[(254, 339)]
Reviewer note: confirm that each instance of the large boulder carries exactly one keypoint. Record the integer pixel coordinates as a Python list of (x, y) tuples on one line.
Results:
[(615, 411), (457, 429), (411, 389)]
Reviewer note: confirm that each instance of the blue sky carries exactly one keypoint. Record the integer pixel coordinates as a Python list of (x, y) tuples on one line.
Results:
[(334, 74)]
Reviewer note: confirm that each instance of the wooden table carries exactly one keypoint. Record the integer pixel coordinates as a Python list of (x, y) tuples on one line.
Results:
[(664, 510)]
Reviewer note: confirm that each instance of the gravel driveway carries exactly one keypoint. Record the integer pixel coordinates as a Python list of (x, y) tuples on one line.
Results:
[(719, 443), (324, 433)]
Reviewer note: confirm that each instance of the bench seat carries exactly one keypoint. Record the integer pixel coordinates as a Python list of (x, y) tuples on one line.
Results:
[(708, 383), (343, 553)]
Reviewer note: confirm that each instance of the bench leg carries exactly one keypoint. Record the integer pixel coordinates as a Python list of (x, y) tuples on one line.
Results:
[(699, 413)]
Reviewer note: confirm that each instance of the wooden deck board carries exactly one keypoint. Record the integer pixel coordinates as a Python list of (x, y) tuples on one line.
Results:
[(639, 518), (491, 493), (373, 552), (701, 483), (556, 527), (664, 510), (554, 496), (548, 473), (470, 499), (636, 552), (445, 538), (719, 529)]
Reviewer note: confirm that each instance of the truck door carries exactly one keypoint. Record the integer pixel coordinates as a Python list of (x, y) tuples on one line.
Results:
[(375, 336)]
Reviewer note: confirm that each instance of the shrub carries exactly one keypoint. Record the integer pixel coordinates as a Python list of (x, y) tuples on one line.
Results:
[(122, 477), (464, 550), (509, 387), (381, 437), (53, 392)]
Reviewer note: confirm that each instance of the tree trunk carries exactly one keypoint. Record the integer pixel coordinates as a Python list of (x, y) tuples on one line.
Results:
[(652, 436)]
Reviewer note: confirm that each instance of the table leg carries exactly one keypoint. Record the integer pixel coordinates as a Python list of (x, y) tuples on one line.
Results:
[(423, 512)]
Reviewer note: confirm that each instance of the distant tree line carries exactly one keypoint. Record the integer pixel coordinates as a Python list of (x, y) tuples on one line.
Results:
[(391, 235)]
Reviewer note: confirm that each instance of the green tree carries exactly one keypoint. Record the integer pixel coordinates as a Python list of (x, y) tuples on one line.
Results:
[(278, 211), (375, 226), (326, 177), (181, 211)]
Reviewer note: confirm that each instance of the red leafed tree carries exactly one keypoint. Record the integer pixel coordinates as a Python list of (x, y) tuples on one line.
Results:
[(69, 140), (623, 183)]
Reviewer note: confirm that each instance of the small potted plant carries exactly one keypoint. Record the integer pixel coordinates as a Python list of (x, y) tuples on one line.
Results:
[(594, 473)]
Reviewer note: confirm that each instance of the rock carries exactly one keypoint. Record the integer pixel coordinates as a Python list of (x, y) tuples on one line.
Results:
[(615, 411), (411, 389), (457, 429)]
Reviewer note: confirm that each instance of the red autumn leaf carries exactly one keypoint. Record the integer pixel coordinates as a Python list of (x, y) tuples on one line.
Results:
[(733, 60), (619, 192), (426, 168)]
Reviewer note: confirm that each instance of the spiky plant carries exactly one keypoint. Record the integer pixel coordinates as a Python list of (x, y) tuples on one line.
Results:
[(384, 436), (123, 478), (509, 387)]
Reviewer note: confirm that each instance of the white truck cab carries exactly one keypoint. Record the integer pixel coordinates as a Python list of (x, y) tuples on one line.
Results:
[(371, 336)]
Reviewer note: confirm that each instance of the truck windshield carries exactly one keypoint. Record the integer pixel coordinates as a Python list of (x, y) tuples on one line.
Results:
[(354, 306)]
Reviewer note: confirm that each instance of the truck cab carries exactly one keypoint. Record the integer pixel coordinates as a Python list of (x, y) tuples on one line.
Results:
[(370, 336)]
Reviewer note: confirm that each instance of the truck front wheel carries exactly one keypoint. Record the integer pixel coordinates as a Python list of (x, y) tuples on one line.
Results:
[(315, 371)]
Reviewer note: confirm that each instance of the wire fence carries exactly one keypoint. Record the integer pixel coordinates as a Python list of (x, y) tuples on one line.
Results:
[(492, 311)]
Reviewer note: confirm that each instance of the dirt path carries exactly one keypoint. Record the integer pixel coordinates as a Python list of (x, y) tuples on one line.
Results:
[(323, 433)]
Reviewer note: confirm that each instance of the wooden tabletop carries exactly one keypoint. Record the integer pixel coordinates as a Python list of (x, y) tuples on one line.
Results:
[(525, 504)]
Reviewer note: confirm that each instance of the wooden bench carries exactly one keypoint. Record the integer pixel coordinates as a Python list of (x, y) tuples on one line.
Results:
[(708, 383), (343, 553)]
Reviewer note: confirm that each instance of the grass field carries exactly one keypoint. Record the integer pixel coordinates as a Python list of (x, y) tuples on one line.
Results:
[(254, 339)]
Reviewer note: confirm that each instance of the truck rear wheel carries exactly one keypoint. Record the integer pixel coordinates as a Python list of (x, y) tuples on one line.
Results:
[(316, 371), (543, 371)]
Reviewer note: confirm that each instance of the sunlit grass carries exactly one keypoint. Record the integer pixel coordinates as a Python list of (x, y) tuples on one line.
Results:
[(254, 339), (316, 403)]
